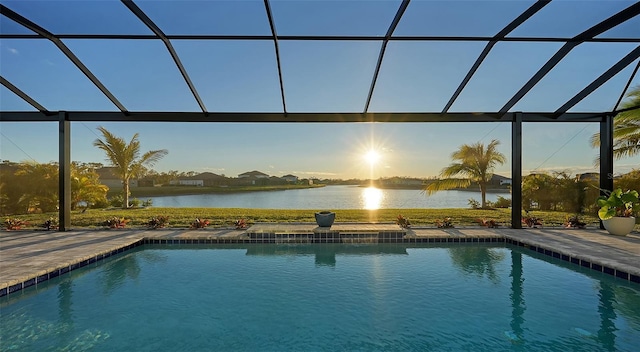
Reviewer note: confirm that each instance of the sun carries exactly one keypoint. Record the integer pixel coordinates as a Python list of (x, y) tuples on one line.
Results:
[(372, 157)]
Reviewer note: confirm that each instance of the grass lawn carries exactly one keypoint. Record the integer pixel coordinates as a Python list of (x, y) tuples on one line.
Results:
[(225, 217)]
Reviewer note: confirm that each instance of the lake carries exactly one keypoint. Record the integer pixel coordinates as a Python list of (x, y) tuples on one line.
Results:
[(329, 197)]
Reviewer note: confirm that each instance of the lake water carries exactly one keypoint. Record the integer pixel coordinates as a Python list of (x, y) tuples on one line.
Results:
[(329, 197)]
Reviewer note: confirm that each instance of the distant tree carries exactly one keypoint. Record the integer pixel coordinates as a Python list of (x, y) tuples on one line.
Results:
[(12, 200), (630, 180), (41, 192), (626, 128), (126, 158), (559, 190), (475, 163), (538, 191)]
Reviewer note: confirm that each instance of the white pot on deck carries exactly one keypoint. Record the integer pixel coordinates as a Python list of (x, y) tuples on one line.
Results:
[(619, 226)]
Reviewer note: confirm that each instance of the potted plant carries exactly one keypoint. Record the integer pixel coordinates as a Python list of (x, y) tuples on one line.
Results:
[(325, 218), (617, 209)]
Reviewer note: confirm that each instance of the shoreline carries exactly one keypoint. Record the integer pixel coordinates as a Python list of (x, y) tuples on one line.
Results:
[(168, 191)]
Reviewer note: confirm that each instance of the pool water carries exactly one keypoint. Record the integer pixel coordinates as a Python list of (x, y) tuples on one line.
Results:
[(369, 297)]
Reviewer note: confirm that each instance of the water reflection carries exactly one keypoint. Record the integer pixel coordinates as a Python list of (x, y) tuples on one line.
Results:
[(325, 254), (477, 260), (517, 296), (372, 198), (118, 271), (607, 331)]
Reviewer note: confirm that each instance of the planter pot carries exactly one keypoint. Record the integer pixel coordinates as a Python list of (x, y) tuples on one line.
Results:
[(619, 226), (325, 218)]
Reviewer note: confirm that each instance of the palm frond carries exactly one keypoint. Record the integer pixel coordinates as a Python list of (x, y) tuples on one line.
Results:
[(626, 129), (445, 184), (153, 156)]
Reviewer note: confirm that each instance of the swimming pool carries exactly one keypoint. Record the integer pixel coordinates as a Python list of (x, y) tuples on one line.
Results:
[(325, 297)]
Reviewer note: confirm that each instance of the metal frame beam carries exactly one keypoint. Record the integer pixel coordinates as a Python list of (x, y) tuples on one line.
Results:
[(516, 171), (274, 34), (70, 55), (624, 91), (606, 156), (383, 48), (64, 172), (158, 32), (612, 71), (418, 38), (532, 10), (95, 116), (23, 95), (599, 28)]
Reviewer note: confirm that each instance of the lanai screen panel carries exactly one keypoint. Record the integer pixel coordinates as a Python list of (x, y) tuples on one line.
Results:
[(308, 57)]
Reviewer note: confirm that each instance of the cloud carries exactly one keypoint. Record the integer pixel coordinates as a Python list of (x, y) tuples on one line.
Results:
[(314, 173), (213, 169), (14, 51)]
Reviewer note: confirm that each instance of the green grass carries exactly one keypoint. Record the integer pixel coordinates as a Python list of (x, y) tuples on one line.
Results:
[(224, 217)]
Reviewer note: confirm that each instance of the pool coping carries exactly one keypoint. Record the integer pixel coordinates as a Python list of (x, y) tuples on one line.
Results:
[(531, 239)]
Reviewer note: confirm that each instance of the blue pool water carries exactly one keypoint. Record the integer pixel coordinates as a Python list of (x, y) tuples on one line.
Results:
[(369, 297)]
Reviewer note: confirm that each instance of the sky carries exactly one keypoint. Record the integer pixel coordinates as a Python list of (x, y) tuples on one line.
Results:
[(318, 76)]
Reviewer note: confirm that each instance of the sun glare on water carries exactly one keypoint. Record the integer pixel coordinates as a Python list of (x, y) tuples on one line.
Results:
[(372, 198)]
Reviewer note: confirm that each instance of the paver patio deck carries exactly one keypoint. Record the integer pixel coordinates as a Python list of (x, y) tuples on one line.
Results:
[(30, 257)]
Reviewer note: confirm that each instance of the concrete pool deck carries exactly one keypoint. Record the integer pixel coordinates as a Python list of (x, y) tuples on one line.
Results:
[(30, 257)]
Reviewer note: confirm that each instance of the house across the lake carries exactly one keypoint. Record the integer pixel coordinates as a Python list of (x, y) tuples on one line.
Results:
[(290, 178), (205, 179), (108, 177)]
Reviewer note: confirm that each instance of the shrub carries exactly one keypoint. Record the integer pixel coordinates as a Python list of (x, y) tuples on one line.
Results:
[(488, 223), (115, 223), (100, 203), (502, 202), (199, 223), (158, 222), (116, 201), (14, 224), (531, 221), (50, 224), (240, 224), (444, 224), (575, 222), (474, 204), (403, 222), (135, 203)]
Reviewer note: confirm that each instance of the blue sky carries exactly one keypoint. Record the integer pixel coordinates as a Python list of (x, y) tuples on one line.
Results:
[(319, 76)]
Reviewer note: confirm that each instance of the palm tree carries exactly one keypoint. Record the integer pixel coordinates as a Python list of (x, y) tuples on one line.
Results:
[(126, 158), (86, 186), (626, 128), (475, 162)]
